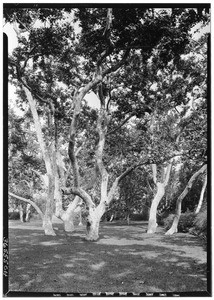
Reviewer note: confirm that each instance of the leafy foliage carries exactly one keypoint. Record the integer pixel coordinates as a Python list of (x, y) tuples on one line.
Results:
[(186, 221)]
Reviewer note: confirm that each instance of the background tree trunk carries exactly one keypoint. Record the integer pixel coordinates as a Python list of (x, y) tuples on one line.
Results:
[(21, 213), (28, 211), (174, 227)]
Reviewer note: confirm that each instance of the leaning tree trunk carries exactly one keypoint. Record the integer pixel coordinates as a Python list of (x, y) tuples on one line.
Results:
[(201, 195), (174, 227), (47, 220), (153, 210), (159, 194)]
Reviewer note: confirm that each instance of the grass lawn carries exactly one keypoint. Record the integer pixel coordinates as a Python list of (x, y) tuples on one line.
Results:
[(124, 259)]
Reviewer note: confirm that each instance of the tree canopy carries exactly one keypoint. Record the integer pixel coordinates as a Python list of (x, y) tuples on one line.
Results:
[(149, 75)]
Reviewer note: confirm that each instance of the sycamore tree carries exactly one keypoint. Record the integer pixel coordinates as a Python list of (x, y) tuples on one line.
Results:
[(62, 55)]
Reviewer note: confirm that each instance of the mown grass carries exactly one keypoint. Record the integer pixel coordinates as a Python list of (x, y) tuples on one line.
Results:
[(124, 259)]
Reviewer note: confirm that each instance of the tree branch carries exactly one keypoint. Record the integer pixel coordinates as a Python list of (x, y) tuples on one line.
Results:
[(118, 65), (29, 201), (81, 193), (119, 126), (168, 169)]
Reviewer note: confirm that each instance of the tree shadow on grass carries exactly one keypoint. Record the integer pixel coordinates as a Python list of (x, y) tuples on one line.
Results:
[(122, 260)]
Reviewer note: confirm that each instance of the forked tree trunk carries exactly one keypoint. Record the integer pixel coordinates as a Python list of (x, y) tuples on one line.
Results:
[(153, 210), (65, 216), (93, 222), (68, 215), (174, 227)]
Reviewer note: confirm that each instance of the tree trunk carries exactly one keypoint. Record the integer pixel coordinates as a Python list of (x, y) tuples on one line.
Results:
[(153, 210), (47, 221), (21, 213), (47, 225), (68, 215), (93, 221), (112, 217), (80, 218), (28, 211), (174, 227), (201, 195), (128, 219), (58, 198)]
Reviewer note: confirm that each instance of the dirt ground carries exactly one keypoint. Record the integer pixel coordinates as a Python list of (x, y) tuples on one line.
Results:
[(125, 259)]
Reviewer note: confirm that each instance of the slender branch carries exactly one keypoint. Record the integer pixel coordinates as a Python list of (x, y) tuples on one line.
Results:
[(27, 58), (119, 126), (81, 193), (118, 65), (147, 162), (33, 92), (29, 201), (154, 173), (150, 188), (168, 173)]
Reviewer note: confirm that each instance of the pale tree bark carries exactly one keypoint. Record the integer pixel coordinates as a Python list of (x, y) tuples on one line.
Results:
[(174, 227), (201, 195), (28, 211), (94, 213), (160, 191), (65, 215), (47, 222), (21, 213), (68, 215)]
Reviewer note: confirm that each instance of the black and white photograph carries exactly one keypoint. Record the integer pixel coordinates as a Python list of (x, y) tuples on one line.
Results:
[(106, 149)]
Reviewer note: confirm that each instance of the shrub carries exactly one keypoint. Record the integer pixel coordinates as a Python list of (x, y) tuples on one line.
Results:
[(200, 224), (14, 215), (162, 217), (167, 222), (139, 217), (186, 221)]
